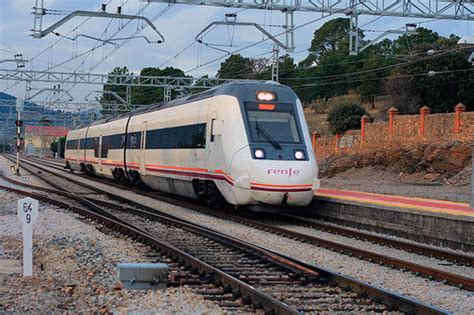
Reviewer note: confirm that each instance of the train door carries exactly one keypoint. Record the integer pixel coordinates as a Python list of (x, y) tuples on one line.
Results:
[(215, 158), (143, 149), (100, 152), (78, 150)]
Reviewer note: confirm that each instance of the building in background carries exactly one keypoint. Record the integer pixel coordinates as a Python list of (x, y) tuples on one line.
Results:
[(38, 139)]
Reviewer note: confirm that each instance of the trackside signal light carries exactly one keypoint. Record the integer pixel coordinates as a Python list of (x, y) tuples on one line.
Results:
[(19, 123), (266, 106), (266, 96)]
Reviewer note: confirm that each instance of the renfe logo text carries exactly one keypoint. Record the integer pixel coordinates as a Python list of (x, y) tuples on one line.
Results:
[(290, 172)]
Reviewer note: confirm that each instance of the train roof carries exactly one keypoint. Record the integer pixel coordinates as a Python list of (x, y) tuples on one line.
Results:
[(230, 88)]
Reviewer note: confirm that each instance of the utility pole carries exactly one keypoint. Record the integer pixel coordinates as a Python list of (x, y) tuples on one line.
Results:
[(275, 63), (18, 139), (471, 201), (18, 123)]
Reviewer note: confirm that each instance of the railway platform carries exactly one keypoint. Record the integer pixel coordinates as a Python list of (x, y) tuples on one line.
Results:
[(437, 222)]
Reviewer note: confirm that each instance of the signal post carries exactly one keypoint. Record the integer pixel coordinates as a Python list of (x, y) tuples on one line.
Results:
[(18, 123)]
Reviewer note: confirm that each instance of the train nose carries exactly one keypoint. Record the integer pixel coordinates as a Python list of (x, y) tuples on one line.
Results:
[(274, 183)]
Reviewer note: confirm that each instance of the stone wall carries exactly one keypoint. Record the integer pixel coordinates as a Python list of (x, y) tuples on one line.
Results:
[(407, 131)]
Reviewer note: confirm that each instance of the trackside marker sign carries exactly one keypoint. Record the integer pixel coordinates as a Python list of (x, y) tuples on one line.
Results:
[(28, 213)]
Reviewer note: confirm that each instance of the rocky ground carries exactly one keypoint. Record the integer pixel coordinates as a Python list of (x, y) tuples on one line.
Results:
[(375, 180), (75, 269), (432, 171)]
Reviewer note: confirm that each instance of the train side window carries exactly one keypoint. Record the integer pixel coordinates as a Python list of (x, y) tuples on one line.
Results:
[(133, 140), (122, 141), (104, 152), (199, 136), (71, 144), (182, 137), (96, 147)]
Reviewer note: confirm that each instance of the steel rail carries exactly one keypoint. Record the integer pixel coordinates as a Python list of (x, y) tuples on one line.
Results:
[(459, 258), (428, 272), (357, 286), (259, 298), (431, 273)]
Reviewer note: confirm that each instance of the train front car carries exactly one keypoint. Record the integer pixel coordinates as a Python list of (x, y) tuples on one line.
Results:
[(278, 165)]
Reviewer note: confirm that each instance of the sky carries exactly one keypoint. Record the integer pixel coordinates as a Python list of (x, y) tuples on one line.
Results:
[(179, 24)]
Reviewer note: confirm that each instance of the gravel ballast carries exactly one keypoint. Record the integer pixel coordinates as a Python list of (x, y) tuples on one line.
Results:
[(75, 269), (431, 292)]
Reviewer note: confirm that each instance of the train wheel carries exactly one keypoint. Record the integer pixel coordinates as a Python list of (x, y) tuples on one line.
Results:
[(137, 181), (90, 170), (207, 192)]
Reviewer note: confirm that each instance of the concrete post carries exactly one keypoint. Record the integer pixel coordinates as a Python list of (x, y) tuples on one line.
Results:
[(460, 108), (391, 113), (471, 201), (363, 121), (423, 112), (338, 137), (314, 138)]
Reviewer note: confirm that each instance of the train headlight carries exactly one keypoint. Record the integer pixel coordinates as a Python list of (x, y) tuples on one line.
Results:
[(259, 153), (299, 155), (266, 96)]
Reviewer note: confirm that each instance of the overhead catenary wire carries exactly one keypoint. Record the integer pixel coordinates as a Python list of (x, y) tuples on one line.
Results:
[(153, 19), (279, 34), (405, 62), (193, 43), (259, 42), (312, 85)]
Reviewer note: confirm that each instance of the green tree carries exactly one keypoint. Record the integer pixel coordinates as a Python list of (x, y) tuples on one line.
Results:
[(345, 117), (322, 73), (54, 147), (149, 95), (58, 146), (286, 68), (374, 68), (108, 100), (62, 146), (331, 36), (439, 79), (236, 67)]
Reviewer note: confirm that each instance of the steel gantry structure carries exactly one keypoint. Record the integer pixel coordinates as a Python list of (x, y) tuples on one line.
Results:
[(429, 9), (126, 80), (111, 79)]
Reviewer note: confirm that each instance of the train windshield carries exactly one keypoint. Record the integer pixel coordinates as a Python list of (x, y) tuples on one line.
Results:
[(272, 123)]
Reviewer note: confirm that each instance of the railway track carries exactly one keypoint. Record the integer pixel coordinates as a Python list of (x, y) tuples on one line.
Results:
[(342, 248), (452, 256), (245, 272)]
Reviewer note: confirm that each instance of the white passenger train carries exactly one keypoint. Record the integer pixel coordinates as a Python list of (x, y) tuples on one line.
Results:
[(244, 141)]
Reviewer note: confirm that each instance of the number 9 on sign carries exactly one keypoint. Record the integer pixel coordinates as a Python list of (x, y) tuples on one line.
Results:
[(28, 210)]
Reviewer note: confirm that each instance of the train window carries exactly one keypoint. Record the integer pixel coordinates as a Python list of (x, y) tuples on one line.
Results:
[(114, 141), (133, 140), (183, 137), (279, 124), (104, 150), (71, 144), (96, 146)]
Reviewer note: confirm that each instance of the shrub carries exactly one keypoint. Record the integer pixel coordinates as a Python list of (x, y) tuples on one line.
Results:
[(345, 117)]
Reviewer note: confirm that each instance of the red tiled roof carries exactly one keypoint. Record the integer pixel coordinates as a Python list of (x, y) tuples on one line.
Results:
[(55, 131)]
